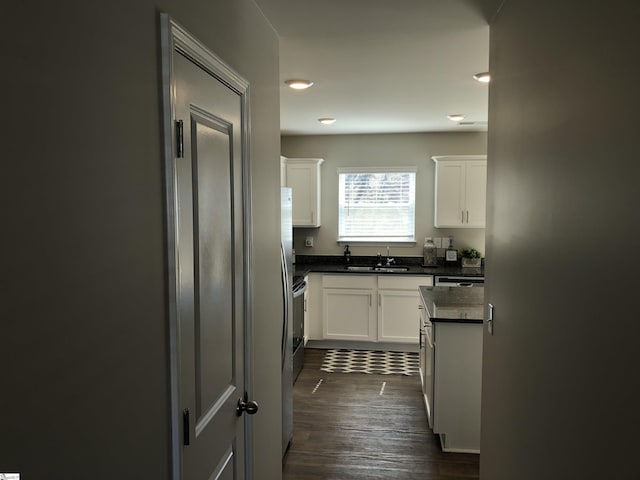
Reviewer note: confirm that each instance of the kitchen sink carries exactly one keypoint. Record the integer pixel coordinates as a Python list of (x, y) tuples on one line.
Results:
[(384, 268), (390, 269), (359, 268)]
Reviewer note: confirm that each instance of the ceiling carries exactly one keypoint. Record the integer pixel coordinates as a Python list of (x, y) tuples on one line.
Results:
[(381, 66)]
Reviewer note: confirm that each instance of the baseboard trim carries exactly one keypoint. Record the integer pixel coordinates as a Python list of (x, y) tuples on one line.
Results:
[(390, 347)]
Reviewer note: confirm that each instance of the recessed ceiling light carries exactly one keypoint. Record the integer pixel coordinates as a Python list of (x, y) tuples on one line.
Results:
[(483, 77), (455, 117), (299, 84), (327, 120)]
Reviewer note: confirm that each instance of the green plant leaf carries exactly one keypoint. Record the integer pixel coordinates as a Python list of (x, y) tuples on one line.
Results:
[(470, 253)]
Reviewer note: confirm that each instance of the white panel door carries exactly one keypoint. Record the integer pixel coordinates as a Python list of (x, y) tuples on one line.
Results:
[(208, 209)]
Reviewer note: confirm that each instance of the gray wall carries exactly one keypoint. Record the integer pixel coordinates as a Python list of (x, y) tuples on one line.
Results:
[(560, 380), (410, 149), (84, 375)]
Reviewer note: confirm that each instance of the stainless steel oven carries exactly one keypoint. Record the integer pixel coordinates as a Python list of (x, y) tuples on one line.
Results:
[(299, 289)]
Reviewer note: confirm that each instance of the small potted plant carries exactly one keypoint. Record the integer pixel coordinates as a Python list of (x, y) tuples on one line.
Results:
[(471, 257)]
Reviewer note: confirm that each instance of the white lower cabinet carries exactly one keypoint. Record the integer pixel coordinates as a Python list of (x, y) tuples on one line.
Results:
[(398, 300), (369, 308), (457, 385), (348, 311)]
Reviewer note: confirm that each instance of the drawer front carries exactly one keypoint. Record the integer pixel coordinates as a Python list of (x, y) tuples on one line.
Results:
[(404, 282), (349, 281)]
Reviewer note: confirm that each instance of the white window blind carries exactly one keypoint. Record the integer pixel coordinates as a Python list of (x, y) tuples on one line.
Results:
[(376, 204)]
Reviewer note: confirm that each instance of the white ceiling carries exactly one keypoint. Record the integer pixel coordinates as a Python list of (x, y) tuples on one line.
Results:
[(381, 66)]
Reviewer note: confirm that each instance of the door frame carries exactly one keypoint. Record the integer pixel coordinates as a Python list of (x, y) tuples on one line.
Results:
[(175, 38)]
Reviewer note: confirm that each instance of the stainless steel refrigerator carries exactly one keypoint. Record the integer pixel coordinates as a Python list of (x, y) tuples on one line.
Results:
[(286, 263)]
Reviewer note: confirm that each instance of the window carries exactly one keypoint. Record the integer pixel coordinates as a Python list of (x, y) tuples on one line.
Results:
[(376, 204)]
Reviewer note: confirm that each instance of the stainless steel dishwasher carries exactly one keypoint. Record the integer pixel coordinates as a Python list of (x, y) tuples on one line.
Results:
[(458, 281)]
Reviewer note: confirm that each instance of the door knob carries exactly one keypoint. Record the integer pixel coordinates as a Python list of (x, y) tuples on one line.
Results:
[(245, 405)]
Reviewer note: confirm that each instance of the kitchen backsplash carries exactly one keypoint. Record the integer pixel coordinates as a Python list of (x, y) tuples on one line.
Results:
[(463, 238)]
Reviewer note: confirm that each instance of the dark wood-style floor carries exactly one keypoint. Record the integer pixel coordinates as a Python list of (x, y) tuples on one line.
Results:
[(356, 426)]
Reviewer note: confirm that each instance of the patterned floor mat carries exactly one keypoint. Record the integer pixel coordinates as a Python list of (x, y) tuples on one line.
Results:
[(370, 361)]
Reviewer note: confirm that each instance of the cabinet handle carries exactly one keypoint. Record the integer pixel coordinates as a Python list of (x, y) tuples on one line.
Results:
[(312, 217), (379, 300), (369, 299), (461, 216), (490, 320), (467, 216), (305, 304)]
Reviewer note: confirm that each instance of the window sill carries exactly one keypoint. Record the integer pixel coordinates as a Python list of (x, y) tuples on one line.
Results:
[(377, 242)]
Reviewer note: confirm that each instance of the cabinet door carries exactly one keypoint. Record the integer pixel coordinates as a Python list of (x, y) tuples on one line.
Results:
[(458, 385), (303, 176), (476, 194), (422, 318), (449, 198), (348, 314), (398, 320)]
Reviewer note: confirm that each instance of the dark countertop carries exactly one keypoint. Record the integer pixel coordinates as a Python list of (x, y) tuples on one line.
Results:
[(453, 304), (336, 264)]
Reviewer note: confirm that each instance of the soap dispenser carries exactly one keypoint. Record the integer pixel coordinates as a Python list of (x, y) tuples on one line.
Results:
[(430, 253), (347, 254), (451, 254)]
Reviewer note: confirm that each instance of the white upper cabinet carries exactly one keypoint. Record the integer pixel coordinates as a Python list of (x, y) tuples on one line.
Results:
[(283, 171), (303, 176), (460, 191)]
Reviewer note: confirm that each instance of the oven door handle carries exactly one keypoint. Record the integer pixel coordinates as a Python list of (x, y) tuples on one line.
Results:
[(300, 289)]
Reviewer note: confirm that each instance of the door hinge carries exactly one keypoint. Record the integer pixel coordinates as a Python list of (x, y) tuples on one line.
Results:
[(185, 427), (179, 139)]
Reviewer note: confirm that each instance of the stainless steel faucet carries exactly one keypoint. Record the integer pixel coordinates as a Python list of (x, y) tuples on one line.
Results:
[(389, 259)]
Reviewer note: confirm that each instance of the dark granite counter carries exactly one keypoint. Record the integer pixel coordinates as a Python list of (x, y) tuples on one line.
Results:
[(336, 264), (453, 304)]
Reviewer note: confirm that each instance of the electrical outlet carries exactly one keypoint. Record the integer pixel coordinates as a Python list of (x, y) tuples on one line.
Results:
[(437, 242), (447, 242), (308, 242)]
